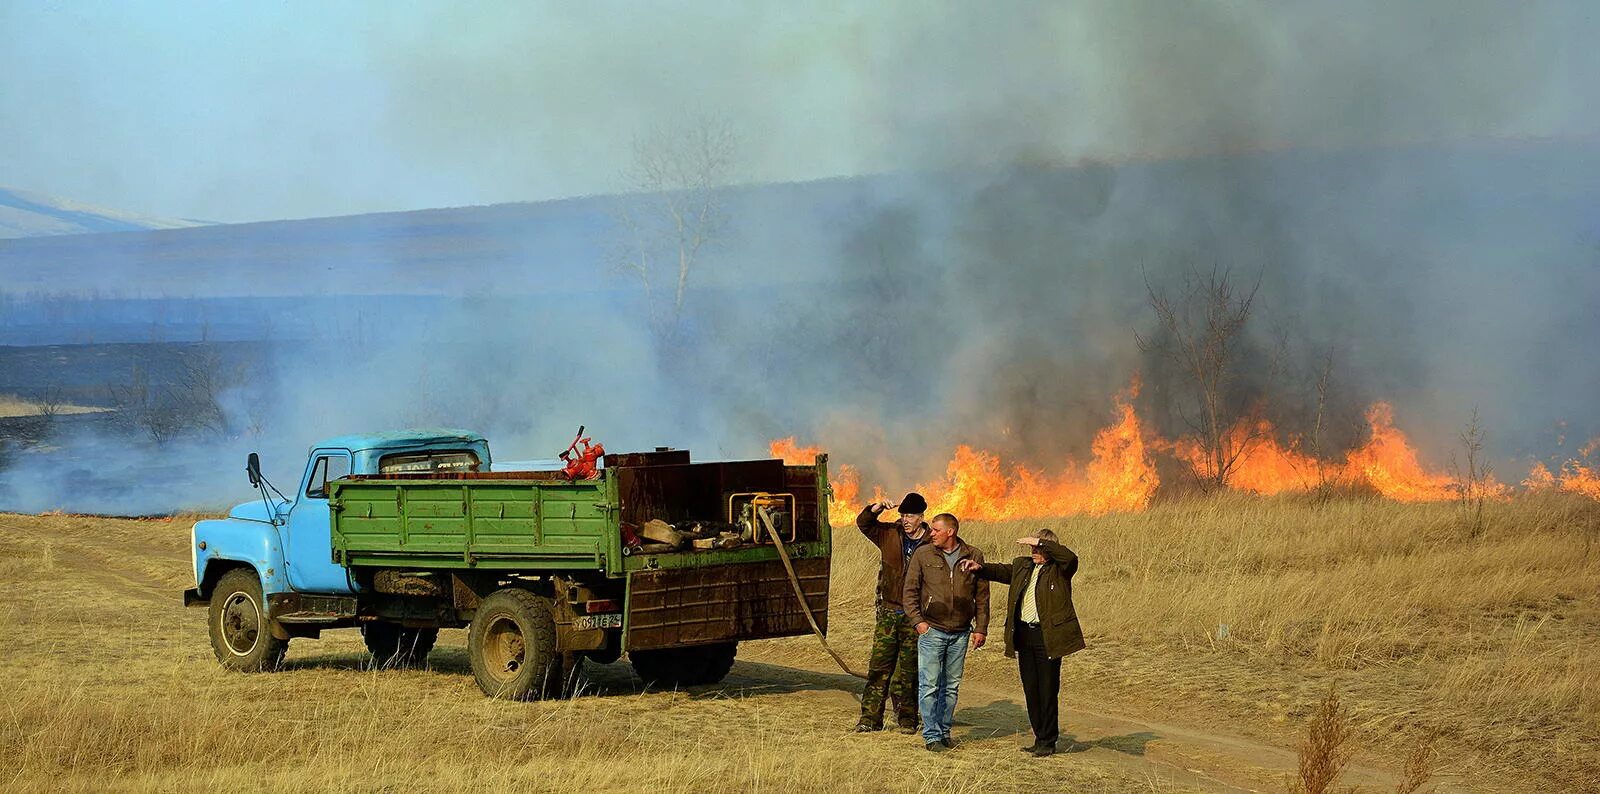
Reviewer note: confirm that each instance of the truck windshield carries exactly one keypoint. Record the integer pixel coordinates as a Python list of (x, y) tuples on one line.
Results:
[(425, 462)]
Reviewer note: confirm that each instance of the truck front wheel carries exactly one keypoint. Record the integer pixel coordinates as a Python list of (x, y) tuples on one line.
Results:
[(240, 635), (693, 666), (512, 646), (393, 645)]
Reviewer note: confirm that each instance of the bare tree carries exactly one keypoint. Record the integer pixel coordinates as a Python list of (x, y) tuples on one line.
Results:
[(1200, 332), (144, 407), (202, 379), (1324, 386), (1472, 479), (675, 207)]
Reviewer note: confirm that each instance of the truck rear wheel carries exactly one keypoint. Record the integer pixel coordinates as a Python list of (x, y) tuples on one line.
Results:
[(694, 666), (393, 645), (241, 636), (512, 646)]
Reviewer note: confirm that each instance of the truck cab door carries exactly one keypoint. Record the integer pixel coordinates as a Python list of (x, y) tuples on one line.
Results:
[(308, 543)]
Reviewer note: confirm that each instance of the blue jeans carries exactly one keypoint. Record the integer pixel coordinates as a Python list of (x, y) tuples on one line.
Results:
[(941, 656)]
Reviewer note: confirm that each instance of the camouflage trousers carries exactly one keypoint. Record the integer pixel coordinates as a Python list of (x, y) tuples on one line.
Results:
[(891, 670)]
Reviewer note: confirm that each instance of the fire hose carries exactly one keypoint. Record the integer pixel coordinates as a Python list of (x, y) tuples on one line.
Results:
[(799, 592)]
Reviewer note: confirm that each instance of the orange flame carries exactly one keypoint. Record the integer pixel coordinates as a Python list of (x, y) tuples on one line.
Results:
[(1120, 475), (1576, 476), (1580, 479), (844, 480), (1264, 466), (1389, 463)]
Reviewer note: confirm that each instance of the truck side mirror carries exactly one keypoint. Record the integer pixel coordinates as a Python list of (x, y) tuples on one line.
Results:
[(252, 469)]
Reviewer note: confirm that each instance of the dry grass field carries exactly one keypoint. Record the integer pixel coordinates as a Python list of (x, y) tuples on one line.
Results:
[(1492, 642)]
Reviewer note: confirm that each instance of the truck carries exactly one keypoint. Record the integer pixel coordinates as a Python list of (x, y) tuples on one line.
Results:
[(401, 534)]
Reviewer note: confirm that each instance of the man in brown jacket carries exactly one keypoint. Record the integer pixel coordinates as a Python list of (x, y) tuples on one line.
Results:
[(1041, 626), (946, 605), (892, 667)]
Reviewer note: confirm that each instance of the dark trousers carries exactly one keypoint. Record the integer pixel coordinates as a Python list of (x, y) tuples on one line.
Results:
[(1041, 684)]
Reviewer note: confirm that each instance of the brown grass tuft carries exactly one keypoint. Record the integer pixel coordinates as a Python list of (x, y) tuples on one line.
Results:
[(1419, 764)]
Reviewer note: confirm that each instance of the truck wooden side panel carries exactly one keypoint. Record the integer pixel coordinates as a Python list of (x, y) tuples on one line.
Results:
[(464, 524)]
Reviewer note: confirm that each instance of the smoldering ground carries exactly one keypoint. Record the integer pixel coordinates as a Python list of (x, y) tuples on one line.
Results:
[(1412, 187)]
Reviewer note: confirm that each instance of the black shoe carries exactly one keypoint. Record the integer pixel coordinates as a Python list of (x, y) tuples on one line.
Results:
[(1044, 750), (936, 747), (1028, 748), (949, 743), (909, 727), (866, 727)]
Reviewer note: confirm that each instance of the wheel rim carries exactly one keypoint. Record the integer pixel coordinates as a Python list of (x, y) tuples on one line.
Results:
[(505, 649), (240, 624)]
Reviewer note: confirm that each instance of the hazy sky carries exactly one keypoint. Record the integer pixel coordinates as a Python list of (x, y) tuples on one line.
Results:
[(247, 111)]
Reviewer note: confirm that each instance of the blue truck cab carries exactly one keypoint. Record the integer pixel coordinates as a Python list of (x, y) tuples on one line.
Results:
[(271, 560)]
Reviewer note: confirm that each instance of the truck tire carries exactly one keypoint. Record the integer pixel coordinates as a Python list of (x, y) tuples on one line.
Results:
[(676, 667), (512, 646), (241, 636), (393, 645)]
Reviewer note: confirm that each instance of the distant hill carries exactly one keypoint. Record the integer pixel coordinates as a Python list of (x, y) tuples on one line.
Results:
[(28, 214), (1370, 217)]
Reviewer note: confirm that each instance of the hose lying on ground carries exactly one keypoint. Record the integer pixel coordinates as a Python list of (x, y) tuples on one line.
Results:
[(800, 593)]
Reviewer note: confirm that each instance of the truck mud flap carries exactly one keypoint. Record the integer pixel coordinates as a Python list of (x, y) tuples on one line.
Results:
[(676, 607)]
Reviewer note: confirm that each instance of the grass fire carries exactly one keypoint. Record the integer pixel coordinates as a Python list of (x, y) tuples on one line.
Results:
[(1111, 395)]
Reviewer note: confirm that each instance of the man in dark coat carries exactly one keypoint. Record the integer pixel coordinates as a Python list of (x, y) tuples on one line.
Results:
[(892, 667), (1041, 626)]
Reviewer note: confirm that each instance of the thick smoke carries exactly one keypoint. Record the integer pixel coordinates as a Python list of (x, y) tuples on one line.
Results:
[(1413, 188)]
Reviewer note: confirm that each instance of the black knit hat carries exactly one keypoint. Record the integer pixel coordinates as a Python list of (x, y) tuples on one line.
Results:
[(913, 503)]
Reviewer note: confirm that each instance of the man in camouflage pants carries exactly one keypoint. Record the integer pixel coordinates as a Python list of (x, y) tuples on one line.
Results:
[(892, 668)]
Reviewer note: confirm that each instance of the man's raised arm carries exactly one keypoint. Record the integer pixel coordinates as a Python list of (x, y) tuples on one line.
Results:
[(1061, 554), (867, 521)]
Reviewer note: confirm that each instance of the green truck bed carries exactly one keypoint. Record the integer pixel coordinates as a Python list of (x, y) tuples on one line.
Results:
[(520, 524), (508, 524)]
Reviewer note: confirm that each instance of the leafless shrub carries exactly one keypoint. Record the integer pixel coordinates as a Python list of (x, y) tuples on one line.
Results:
[(1324, 754), (51, 401), (146, 408), (191, 402), (203, 377)]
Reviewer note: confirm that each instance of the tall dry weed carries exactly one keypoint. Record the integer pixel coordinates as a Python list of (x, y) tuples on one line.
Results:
[(1325, 751)]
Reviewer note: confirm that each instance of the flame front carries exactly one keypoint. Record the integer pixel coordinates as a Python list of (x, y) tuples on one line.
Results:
[(1121, 475), (1389, 463), (1577, 475)]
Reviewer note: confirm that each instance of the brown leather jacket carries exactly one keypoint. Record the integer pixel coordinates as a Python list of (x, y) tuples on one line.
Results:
[(944, 597), (1057, 619), (887, 536)]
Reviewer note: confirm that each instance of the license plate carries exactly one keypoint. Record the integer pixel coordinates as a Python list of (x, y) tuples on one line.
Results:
[(612, 621)]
